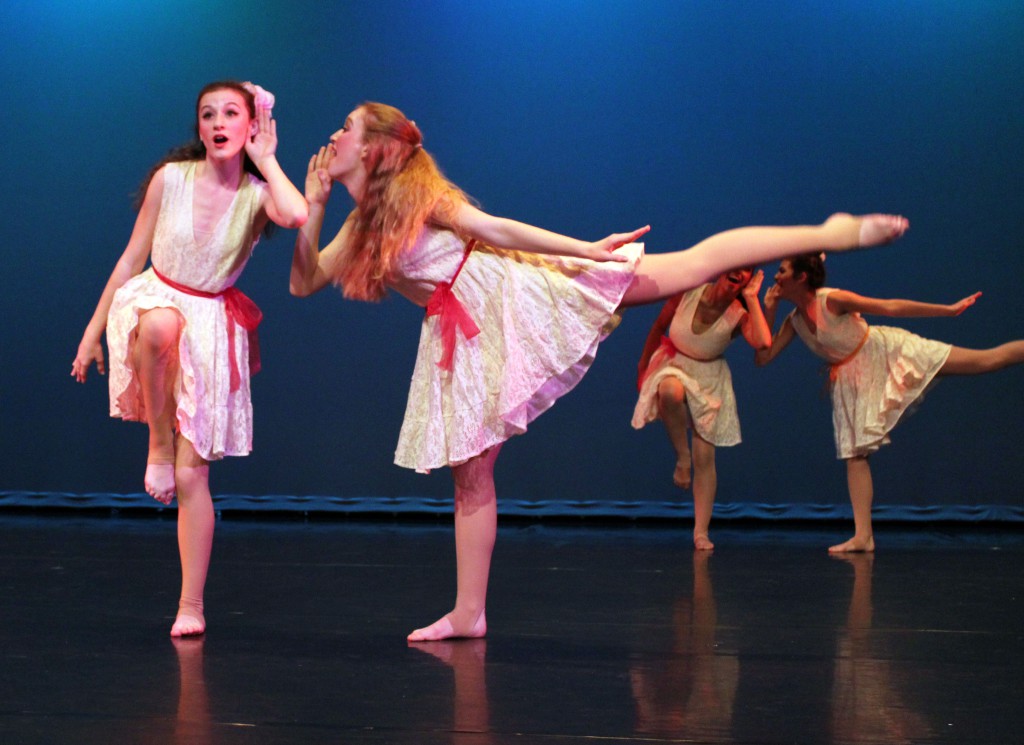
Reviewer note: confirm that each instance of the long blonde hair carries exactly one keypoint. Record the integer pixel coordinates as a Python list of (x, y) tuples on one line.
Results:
[(404, 187)]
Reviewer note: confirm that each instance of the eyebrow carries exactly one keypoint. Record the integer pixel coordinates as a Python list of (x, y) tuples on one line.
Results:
[(206, 106)]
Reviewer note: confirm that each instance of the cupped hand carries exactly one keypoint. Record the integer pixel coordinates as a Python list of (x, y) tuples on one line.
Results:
[(771, 297), (753, 287), (263, 144), (318, 183)]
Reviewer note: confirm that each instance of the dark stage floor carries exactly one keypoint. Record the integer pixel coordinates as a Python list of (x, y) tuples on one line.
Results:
[(598, 635)]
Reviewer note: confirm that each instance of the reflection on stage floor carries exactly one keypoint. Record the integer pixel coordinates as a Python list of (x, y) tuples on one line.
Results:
[(598, 633)]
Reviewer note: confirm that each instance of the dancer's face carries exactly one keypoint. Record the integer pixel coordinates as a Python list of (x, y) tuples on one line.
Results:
[(224, 123), (347, 148), (736, 280), (788, 282)]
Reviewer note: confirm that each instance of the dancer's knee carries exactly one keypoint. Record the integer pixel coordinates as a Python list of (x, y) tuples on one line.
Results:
[(158, 330), (671, 392), (191, 470), (192, 481), (704, 457)]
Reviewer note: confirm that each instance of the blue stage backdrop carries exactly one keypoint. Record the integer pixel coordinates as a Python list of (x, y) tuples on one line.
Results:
[(582, 117)]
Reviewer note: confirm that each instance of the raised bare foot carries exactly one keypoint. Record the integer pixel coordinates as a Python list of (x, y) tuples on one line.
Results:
[(681, 476), (702, 542), (876, 230), (190, 620), (443, 628), (853, 545), (159, 481), (870, 230)]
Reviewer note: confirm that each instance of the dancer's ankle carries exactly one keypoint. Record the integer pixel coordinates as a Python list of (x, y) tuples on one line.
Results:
[(190, 620)]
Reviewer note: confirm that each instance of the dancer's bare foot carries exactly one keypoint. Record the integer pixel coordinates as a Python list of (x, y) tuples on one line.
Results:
[(876, 230), (159, 481), (871, 230), (190, 620), (681, 476), (445, 628), (855, 544), (702, 542)]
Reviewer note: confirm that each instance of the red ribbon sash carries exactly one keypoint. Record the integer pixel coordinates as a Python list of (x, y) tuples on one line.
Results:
[(833, 369), (670, 351), (453, 315), (241, 311)]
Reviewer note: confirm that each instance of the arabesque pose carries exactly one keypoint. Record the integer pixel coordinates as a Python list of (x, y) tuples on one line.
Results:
[(514, 313), (877, 373)]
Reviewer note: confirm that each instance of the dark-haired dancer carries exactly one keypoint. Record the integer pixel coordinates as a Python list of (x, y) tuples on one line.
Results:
[(876, 372), (514, 313), (686, 382), (178, 332)]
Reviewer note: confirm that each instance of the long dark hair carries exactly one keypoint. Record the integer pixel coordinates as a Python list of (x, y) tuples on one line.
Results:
[(196, 150), (813, 266)]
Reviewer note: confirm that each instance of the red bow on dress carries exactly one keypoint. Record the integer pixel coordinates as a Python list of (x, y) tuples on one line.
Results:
[(241, 311), (454, 316)]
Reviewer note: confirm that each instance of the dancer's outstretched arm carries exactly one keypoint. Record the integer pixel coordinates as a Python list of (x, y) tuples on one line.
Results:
[(844, 301), (662, 275), (504, 233)]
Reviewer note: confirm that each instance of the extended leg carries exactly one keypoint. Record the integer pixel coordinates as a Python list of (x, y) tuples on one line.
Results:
[(195, 537), (476, 526), (862, 494), (977, 361), (662, 275), (155, 356), (672, 410), (705, 484)]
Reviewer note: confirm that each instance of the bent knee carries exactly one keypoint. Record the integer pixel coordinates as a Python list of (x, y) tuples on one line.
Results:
[(159, 328), (671, 391)]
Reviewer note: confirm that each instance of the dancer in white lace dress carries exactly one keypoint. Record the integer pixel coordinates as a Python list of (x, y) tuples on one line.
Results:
[(877, 373), (179, 332), (514, 313), (686, 382)]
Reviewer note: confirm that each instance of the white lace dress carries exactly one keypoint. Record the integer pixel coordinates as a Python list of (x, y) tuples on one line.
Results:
[(879, 373), (696, 361), (540, 320), (214, 418)]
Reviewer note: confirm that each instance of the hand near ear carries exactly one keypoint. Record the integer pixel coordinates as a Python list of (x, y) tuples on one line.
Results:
[(263, 143)]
